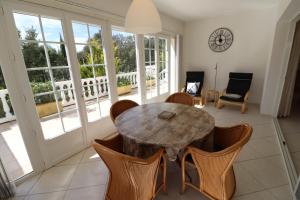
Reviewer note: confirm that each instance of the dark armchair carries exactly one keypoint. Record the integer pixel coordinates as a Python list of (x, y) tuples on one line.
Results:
[(237, 91), (198, 78)]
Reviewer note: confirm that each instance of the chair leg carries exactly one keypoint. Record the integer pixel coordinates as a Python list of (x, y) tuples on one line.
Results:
[(164, 174), (183, 186), (244, 108), (219, 105), (202, 101)]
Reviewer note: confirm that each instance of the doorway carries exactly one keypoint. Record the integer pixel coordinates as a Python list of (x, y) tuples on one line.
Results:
[(289, 111)]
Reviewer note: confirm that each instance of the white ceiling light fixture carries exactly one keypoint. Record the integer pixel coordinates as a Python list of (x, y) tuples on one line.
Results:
[(143, 17)]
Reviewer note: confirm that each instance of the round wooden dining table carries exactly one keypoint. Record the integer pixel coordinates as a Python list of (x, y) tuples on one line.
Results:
[(144, 131)]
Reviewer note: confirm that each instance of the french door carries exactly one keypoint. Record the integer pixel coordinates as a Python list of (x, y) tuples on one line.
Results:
[(157, 66), (63, 72)]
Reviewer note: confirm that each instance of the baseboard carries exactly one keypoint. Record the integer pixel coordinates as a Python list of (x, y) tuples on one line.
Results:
[(289, 165)]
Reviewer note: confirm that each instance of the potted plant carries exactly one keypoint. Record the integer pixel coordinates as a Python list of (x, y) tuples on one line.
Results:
[(45, 104), (124, 86), (150, 81)]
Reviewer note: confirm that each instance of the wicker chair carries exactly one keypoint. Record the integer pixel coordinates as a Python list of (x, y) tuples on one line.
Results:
[(130, 178), (215, 169), (182, 98), (120, 106)]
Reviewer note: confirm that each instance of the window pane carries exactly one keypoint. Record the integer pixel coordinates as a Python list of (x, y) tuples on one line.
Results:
[(95, 32), (152, 43), (92, 69), (147, 56), (93, 111), (97, 49), (41, 99), (57, 55), (39, 76), (28, 27), (61, 75), (83, 54), (152, 57), (146, 42), (86, 72), (52, 127), (34, 54), (163, 70), (71, 120), (52, 29), (80, 32)]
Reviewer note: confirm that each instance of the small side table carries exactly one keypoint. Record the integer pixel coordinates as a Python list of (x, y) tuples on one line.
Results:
[(212, 96)]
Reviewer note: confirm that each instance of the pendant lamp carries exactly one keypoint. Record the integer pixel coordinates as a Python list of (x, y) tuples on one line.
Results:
[(143, 18)]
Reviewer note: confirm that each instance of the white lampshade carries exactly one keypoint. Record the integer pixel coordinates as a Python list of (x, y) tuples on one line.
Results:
[(143, 17)]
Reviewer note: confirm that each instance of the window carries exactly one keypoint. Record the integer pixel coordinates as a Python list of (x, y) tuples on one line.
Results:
[(150, 66), (42, 42), (89, 48), (163, 74), (125, 63)]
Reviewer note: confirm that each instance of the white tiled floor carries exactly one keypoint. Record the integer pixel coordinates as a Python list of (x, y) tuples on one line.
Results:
[(259, 170)]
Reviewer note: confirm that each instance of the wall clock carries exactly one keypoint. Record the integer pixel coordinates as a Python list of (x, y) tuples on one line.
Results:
[(220, 40)]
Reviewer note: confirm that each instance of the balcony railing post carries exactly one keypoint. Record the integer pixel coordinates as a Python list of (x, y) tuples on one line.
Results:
[(8, 115)]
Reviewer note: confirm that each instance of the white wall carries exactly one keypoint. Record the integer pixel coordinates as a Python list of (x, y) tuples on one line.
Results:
[(248, 53)]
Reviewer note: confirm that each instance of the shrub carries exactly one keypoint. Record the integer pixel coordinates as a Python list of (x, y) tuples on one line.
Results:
[(38, 87), (123, 82)]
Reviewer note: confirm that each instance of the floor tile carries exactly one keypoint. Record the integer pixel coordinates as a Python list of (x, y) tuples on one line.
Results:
[(47, 196), (263, 195), (267, 146), (246, 183), (24, 188), (54, 179), (263, 130), (90, 155), (17, 198), (248, 152), (282, 193), (74, 160), (266, 172), (89, 174), (90, 193)]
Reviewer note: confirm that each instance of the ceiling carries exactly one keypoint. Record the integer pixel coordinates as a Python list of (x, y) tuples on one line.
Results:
[(188, 10)]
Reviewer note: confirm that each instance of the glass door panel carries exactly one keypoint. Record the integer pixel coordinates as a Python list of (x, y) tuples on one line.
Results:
[(125, 63), (163, 74), (13, 152), (42, 42), (90, 54), (150, 66)]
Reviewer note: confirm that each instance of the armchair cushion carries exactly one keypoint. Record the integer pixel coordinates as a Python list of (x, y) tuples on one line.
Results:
[(228, 98), (192, 88)]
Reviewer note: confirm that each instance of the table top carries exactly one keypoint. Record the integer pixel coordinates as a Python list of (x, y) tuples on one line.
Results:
[(142, 125)]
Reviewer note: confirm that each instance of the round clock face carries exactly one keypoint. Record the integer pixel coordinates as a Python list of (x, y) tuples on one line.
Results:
[(220, 40)]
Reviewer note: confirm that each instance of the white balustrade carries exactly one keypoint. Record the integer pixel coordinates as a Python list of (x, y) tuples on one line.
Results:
[(6, 110), (90, 88)]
